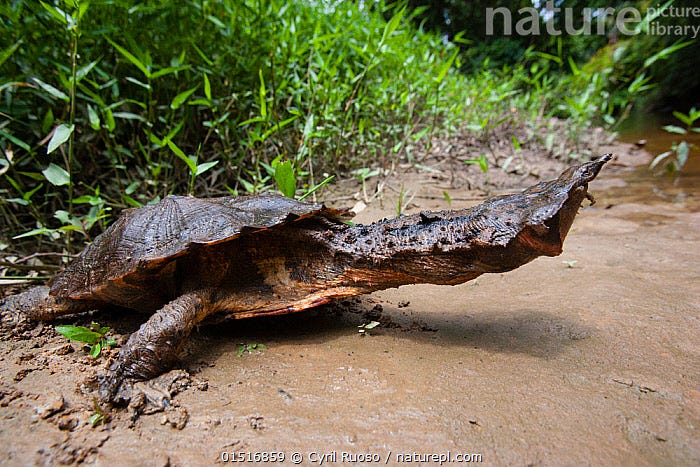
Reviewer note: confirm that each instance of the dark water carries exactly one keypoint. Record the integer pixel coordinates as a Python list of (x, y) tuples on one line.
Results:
[(643, 186)]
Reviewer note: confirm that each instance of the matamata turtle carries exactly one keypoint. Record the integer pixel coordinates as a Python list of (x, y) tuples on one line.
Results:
[(185, 258)]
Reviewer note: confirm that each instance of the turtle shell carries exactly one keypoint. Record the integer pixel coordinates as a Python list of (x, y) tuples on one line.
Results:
[(128, 264)]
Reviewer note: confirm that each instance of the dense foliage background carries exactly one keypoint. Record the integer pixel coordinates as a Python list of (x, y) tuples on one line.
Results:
[(113, 103)]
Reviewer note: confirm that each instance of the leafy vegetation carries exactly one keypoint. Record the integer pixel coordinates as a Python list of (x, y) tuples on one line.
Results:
[(674, 160), (99, 113), (95, 337), (249, 348)]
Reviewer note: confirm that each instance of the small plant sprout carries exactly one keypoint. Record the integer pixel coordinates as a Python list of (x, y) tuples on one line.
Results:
[(363, 175), (94, 337), (570, 263), (363, 328), (447, 196), (482, 162), (405, 199), (98, 416), (250, 348), (285, 176)]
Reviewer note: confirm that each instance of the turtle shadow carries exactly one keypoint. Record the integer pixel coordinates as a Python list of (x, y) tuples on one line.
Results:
[(536, 333)]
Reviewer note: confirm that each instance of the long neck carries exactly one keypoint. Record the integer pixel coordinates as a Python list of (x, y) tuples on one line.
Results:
[(451, 247)]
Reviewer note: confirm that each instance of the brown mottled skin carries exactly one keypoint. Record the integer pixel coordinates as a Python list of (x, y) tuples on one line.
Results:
[(185, 259)]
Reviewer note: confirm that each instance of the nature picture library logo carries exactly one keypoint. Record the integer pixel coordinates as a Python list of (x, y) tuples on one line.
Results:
[(552, 18)]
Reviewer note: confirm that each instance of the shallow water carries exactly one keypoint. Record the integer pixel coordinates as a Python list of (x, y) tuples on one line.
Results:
[(642, 185)]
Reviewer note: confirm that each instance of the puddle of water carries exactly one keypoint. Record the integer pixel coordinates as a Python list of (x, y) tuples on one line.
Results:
[(644, 187)]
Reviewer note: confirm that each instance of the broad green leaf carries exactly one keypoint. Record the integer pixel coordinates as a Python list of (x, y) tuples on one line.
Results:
[(574, 69), (95, 419), (217, 22), (665, 53), (15, 140), (446, 67), (20, 201), (447, 196), (658, 159), (278, 126), (95, 350), (683, 117), (132, 58), (392, 25), (482, 162), (31, 233), (39, 177), (63, 216), (639, 84), (131, 201), (131, 79), (69, 228), (192, 165), (262, 96), (207, 87), (58, 14), (201, 54), (109, 120), (201, 168), (181, 98), (167, 71), (285, 178), (317, 187), (682, 151), (249, 187), (200, 101), (82, 8), (172, 133), (58, 94), (94, 118), (251, 120), (674, 129), (129, 116), (549, 57), (28, 195), (48, 121), (516, 143), (60, 136), (83, 71), (694, 114), (87, 199), (79, 334), (56, 175), (7, 52)]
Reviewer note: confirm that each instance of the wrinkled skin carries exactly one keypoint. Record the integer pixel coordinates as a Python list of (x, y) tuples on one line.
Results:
[(205, 257)]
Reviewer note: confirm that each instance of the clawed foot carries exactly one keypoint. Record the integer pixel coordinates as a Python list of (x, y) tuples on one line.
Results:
[(142, 397)]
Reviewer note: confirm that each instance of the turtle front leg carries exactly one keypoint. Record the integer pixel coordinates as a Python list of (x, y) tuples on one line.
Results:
[(37, 305), (154, 348)]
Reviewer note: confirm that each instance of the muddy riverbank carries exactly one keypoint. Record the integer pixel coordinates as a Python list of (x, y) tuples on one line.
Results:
[(587, 358)]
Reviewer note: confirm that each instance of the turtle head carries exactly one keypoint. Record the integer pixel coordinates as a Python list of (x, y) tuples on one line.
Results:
[(578, 178), (584, 173)]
